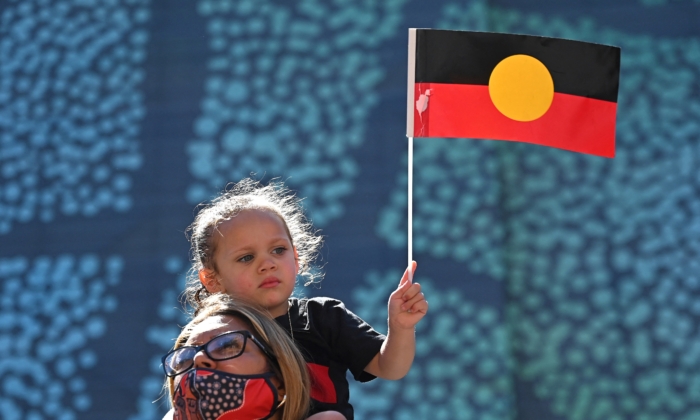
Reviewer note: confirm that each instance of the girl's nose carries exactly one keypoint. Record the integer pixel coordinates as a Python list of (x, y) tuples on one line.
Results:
[(267, 264), (201, 360)]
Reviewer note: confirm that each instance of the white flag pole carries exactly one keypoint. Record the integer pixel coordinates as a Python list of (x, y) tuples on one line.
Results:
[(409, 133), (410, 209)]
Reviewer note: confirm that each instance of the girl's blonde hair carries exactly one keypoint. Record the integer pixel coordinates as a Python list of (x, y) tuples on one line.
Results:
[(292, 367), (249, 194)]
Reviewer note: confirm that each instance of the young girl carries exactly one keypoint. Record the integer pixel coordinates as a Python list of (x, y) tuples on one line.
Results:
[(252, 242)]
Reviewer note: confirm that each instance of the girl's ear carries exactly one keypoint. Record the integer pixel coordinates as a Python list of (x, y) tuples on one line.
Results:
[(208, 278)]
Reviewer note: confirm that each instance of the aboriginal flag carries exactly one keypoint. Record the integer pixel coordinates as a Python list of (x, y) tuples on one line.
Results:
[(548, 91)]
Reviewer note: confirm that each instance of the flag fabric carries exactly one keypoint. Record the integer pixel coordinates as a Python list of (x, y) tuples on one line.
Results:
[(548, 91)]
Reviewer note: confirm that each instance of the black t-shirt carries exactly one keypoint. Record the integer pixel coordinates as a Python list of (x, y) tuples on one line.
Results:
[(333, 340)]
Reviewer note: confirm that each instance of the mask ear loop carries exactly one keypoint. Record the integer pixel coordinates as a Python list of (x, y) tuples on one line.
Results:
[(284, 400)]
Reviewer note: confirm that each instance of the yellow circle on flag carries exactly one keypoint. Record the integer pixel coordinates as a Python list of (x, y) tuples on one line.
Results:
[(521, 87)]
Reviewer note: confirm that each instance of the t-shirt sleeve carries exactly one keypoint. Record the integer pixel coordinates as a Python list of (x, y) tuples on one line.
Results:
[(351, 339)]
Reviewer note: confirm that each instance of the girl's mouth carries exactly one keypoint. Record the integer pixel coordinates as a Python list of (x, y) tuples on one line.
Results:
[(269, 282)]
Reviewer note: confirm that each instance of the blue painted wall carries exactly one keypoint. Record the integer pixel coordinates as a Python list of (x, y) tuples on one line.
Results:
[(562, 286)]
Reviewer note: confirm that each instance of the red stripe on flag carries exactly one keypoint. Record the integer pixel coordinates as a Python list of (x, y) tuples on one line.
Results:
[(572, 122)]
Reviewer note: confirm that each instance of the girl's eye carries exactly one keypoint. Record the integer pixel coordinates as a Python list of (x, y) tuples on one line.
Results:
[(279, 250), (246, 258)]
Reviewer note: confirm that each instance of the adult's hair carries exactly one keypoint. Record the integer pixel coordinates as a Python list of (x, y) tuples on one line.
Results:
[(249, 194), (293, 373)]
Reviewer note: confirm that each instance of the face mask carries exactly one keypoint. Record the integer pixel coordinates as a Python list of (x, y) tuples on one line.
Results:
[(205, 394)]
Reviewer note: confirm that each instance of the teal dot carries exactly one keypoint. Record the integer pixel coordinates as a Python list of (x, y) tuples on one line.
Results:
[(236, 92), (437, 393), (412, 392), (82, 402), (205, 127), (236, 139), (487, 367), (95, 327), (483, 396), (65, 367), (110, 304), (87, 359), (487, 317)]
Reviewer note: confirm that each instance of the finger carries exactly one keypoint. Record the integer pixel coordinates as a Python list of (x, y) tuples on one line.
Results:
[(411, 302), (408, 274), (401, 290), (411, 292), (420, 306)]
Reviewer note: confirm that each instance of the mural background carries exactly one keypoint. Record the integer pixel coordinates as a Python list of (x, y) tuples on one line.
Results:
[(561, 286)]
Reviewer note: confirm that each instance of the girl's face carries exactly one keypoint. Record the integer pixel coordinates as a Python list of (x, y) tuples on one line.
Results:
[(255, 260)]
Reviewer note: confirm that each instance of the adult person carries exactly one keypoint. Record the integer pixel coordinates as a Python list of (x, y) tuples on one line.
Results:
[(233, 361)]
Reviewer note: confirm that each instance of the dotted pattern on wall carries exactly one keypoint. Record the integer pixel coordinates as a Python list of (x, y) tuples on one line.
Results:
[(288, 94), (599, 253), (588, 266), (153, 401), (70, 107), (51, 308), (462, 366), (447, 223)]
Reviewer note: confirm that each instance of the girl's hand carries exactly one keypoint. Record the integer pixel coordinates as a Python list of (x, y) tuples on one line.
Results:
[(407, 304)]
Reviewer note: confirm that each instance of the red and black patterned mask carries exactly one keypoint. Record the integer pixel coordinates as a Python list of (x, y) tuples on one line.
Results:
[(205, 394)]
